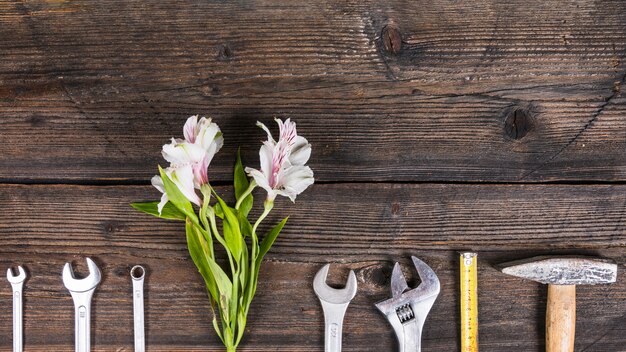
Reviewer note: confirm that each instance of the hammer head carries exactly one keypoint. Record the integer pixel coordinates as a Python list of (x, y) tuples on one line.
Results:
[(564, 270)]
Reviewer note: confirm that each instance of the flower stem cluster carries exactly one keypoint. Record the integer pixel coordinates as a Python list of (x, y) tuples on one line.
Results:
[(212, 222)]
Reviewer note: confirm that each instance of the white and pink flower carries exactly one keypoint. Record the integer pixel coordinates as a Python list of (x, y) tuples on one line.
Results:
[(190, 158), (282, 163), (182, 177)]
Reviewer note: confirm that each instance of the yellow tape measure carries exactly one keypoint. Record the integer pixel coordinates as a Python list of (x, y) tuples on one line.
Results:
[(469, 302)]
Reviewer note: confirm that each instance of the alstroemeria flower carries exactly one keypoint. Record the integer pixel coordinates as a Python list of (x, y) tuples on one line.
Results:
[(300, 148), (190, 158), (282, 163), (182, 176), (204, 133), (203, 139)]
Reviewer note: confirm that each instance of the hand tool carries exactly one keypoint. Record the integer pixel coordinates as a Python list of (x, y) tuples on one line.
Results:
[(406, 310), (469, 302), (334, 303), (17, 283), (137, 273), (82, 291), (562, 274)]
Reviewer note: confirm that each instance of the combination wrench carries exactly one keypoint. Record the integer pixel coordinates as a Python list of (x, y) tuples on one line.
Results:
[(17, 283), (82, 291), (137, 274), (334, 303)]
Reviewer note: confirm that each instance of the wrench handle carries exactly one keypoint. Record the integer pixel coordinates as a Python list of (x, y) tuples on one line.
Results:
[(17, 318), (333, 325), (82, 320), (83, 328), (138, 313)]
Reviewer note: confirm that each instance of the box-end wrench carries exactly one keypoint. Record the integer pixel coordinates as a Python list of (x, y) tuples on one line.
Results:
[(82, 291), (334, 303), (17, 283), (137, 273)]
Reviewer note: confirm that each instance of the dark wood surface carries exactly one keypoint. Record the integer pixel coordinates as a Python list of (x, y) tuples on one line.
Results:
[(498, 127)]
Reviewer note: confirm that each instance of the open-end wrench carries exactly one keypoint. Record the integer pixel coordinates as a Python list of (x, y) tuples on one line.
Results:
[(82, 291), (334, 303), (406, 311), (137, 273), (17, 283)]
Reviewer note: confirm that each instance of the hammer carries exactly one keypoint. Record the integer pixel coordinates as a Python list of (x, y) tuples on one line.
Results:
[(562, 274)]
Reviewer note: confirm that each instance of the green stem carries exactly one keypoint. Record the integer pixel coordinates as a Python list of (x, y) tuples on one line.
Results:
[(267, 207), (203, 219), (249, 190), (220, 239)]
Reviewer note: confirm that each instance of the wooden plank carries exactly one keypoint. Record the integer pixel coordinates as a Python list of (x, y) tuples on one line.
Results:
[(365, 227), (90, 90)]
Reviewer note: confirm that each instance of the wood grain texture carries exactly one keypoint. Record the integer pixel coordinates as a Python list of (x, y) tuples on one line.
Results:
[(90, 90), (43, 226)]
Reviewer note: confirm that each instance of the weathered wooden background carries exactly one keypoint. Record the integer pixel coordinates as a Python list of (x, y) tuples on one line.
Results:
[(436, 126)]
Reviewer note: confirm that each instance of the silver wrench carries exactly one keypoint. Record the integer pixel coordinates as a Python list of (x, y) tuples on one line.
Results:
[(17, 283), (406, 311), (137, 273), (82, 291), (334, 303)]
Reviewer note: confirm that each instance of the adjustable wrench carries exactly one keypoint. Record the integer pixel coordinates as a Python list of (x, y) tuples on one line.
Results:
[(406, 311), (334, 303), (82, 291), (17, 282)]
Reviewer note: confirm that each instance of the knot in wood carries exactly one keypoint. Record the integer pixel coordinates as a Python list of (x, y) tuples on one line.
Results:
[(518, 123), (392, 39), (225, 52)]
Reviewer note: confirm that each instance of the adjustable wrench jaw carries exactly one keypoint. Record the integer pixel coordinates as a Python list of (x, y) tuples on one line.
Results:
[(407, 310)]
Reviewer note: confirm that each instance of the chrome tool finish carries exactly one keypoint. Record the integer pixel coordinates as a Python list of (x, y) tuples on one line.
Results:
[(82, 290), (407, 309), (334, 303), (17, 284), (137, 273)]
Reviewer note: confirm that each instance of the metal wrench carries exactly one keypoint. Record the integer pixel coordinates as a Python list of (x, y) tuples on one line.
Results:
[(334, 303), (17, 283), (82, 291), (137, 273), (406, 311)]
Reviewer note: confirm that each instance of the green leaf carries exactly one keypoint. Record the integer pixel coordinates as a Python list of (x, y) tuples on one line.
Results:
[(225, 287), (218, 211), (243, 269), (240, 178), (217, 328), (241, 185), (265, 246), (268, 241), (241, 325), (199, 254), (176, 197), (169, 210), (246, 227), (232, 233)]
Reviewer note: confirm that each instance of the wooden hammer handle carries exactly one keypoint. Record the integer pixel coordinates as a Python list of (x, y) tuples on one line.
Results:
[(561, 318)]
